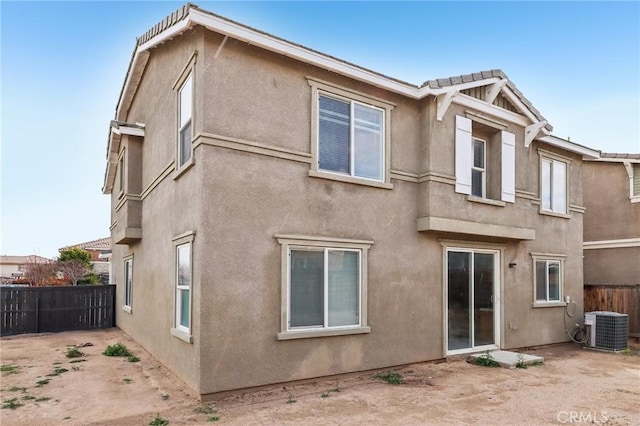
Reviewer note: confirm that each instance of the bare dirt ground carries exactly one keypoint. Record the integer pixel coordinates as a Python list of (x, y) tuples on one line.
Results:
[(574, 385)]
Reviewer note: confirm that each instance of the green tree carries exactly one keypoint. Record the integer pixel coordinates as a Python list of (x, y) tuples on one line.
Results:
[(74, 263), (75, 253)]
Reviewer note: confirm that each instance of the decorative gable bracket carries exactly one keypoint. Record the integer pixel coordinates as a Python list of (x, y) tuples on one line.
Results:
[(531, 131), (494, 90), (444, 102)]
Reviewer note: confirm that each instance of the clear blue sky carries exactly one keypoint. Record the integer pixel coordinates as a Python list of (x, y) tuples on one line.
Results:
[(63, 65)]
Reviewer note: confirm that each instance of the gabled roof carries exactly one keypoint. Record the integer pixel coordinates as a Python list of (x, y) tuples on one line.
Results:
[(102, 244), (21, 260), (446, 90)]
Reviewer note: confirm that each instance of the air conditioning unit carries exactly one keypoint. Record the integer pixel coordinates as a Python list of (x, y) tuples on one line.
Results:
[(608, 330)]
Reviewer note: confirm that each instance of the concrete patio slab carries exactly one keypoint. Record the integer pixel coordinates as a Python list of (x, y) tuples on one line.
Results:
[(508, 359)]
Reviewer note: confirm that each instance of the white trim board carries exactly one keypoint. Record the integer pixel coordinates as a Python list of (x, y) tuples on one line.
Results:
[(605, 244)]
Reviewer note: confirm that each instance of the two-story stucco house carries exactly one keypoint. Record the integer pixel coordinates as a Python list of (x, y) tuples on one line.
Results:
[(280, 214), (612, 235)]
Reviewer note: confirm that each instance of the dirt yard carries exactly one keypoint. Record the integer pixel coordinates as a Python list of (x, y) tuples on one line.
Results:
[(574, 385)]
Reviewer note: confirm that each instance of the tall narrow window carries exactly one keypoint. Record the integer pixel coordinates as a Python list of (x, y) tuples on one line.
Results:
[(183, 287), (121, 172), (635, 187), (184, 121), (479, 169), (553, 182), (548, 280), (350, 138), (128, 281)]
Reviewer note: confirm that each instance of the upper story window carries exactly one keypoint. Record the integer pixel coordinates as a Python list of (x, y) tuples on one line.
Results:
[(484, 161), (635, 184), (350, 136), (185, 97), (478, 171), (121, 173), (553, 183)]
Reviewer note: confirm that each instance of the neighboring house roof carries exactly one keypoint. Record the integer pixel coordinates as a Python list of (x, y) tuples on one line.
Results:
[(618, 158), (191, 15), (21, 260), (102, 244)]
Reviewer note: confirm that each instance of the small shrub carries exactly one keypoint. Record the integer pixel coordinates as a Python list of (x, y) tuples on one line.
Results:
[(486, 360), (9, 368), (290, 400), (57, 372), (42, 399), (16, 389), (204, 409), (41, 383), (390, 377), (12, 404), (520, 363), (74, 352), (127, 380), (117, 350), (28, 397), (133, 358), (325, 395), (159, 421), (76, 360), (165, 396), (213, 418)]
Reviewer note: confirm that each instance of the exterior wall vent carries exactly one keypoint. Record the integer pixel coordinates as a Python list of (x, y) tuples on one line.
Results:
[(608, 330)]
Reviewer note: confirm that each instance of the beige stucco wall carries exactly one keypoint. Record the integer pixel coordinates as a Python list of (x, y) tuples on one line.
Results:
[(610, 216), (237, 202)]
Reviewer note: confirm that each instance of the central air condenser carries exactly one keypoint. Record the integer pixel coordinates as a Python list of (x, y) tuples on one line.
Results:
[(608, 330)]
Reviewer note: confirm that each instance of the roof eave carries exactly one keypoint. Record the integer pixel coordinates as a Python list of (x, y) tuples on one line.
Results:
[(586, 152)]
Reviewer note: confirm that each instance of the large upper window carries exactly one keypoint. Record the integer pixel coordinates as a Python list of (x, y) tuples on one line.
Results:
[(350, 135), (121, 173), (325, 287), (350, 138), (484, 160), (548, 280), (553, 185), (128, 283), (185, 97)]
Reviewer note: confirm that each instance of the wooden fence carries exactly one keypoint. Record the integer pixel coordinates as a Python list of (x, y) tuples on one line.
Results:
[(47, 309), (624, 299)]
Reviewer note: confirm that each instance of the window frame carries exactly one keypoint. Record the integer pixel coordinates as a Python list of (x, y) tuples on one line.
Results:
[(188, 74), (178, 330), (482, 170), (122, 177), (552, 158), (634, 176), (127, 295), (548, 258), (306, 243), (339, 93)]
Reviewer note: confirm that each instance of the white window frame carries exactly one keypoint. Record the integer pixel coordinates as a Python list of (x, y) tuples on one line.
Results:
[(553, 159), (179, 330), (633, 170), (482, 170), (548, 259), (122, 177), (186, 86), (127, 295), (187, 77), (306, 243), (322, 88)]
